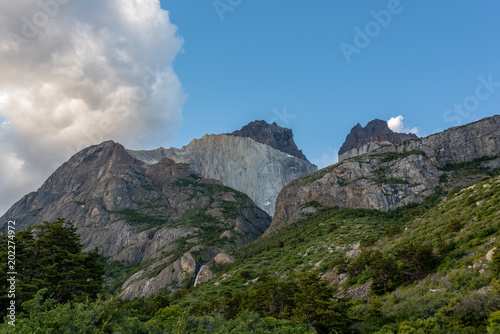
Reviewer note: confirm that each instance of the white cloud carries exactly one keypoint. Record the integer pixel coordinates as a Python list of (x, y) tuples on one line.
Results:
[(327, 159), (396, 125), (76, 73)]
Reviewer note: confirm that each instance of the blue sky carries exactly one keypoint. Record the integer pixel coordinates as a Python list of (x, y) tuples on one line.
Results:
[(265, 56), (78, 73)]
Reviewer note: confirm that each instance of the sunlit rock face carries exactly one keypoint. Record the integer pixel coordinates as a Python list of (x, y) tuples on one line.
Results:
[(391, 176)]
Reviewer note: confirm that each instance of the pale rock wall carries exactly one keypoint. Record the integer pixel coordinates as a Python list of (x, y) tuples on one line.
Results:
[(255, 169)]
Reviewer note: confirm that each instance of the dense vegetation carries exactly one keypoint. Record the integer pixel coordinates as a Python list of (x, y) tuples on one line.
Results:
[(49, 258), (417, 269), (423, 265)]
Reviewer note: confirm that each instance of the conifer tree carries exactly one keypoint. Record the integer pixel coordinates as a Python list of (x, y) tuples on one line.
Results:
[(49, 256)]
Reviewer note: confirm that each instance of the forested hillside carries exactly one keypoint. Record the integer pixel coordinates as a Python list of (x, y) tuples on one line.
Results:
[(426, 268)]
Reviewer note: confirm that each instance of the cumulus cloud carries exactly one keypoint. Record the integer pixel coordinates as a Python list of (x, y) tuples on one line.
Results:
[(396, 124), (76, 73)]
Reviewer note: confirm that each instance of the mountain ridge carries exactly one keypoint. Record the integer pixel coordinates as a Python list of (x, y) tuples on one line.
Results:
[(391, 176)]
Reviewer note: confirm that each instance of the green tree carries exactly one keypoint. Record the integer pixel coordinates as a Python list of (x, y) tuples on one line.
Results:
[(47, 316), (49, 256), (495, 263), (314, 304), (494, 323), (386, 275), (359, 263), (392, 231), (416, 260)]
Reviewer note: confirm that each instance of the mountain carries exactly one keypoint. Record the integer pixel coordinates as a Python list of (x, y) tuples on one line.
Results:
[(271, 134), (403, 239), (375, 134), (258, 160), (164, 213), (165, 217), (394, 175), (425, 268)]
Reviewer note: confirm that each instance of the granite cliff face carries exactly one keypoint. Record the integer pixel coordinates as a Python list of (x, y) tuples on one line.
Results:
[(375, 134), (165, 214), (256, 169), (393, 175)]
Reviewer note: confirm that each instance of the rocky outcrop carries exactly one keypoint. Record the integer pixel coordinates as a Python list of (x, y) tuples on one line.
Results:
[(366, 139), (359, 292), (391, 176), (489, 255), (256, 169), (272, 135), (145, 283), (223, 258), (134, 212)]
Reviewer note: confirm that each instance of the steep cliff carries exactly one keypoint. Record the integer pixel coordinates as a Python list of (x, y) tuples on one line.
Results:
[(375, 134), (165, 215), (256, 169), (393, 175)]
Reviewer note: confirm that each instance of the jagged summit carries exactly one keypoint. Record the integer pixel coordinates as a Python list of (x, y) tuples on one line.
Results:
[(375, 134), (271, 134)]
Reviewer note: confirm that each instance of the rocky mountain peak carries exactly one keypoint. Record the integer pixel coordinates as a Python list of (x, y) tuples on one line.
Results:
[(375, 134), (395, 175), (134, 212), (271, 134), (88, 166)]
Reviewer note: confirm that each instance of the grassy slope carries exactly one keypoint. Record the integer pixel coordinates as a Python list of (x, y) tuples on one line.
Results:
[(460, 229)]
